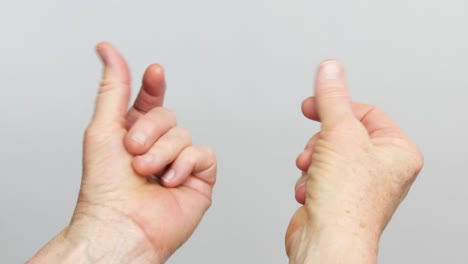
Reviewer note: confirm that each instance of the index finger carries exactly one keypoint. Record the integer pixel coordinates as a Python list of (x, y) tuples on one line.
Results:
[(374, 119), (151, 94)]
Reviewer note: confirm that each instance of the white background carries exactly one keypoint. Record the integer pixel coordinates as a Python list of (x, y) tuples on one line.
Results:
[(237, 72)]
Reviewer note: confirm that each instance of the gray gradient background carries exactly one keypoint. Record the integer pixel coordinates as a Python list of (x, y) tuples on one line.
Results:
[(237, 72)]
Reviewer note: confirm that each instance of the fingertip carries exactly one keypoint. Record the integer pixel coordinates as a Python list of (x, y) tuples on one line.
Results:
[(156, 68), (300, 193), (298, 161), (135, 143), (176, 174), (199, 161), (209, 152), (103, 49), (332, 96), (308, 108), (115, 65), (305, 106), (329, 72), (151, 94), (154, 81), (141, 164), (101, 45), (304, 160), (330, 69), (168, 178), (330, 60)]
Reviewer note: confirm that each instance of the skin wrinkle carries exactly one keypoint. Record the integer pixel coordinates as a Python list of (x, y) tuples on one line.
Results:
[(121, 239), (108, 86), (145, 103), (155, 245)]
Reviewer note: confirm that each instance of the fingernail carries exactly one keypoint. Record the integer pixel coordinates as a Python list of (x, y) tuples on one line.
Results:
[(139, 137), (300, 186), (168, 176), (302, 182), (146, 158), (329, 70)]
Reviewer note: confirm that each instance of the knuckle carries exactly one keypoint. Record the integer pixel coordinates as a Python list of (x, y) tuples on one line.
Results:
[(312, 141), (105, 86), (208, 152), (376, 111), (190, 160), (418, 163), (90, 132), (189, 156), (111, 85), (162, 115), (414, 166), (184, 134), (168, 115), (333, 90), (165, 148), (156, 110), (213, 172), (94, 136)]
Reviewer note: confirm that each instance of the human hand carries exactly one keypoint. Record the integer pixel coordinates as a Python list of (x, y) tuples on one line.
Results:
[(124, 213), (356, 171)]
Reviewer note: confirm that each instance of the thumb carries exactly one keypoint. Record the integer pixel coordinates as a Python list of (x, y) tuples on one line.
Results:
[(332, 95), (114, 93)]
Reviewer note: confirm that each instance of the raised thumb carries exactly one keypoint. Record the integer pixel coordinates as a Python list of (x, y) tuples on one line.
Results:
[(114, 92)]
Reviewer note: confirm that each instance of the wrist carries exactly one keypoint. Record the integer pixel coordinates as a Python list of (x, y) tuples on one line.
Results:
[(93, 241), (335, 244)]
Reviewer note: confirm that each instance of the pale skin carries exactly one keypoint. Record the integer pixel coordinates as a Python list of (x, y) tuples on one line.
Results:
[(356, 172), (121, 216)]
